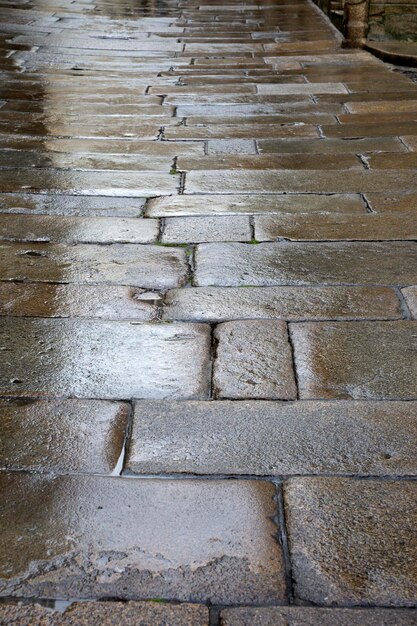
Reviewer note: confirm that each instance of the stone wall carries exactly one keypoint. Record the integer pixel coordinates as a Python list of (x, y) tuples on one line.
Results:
[(393, 19)]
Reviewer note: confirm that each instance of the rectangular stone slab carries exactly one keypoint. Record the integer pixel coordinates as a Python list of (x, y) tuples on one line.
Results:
[(99, 359), (217, 304), (62, 435), (205, 228), (213, 204), (358, 360), (151, 267), (106, 613), (296, 181), (93, 301), (74, 229), (70, 205), (253, 360), (274, 438), (331, 146), (342, 546), (303, 616), (336, 227), (270, 264), (176, 540)]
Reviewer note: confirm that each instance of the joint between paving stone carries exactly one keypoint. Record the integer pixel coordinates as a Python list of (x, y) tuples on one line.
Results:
[(293, 360)]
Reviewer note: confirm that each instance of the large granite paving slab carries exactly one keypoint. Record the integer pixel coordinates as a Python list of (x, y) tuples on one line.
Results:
[(70, 300), (284, 263), (74, 229), (205, 229), (32, 203), (336, 227), (353, 542), (97, 537), (307, 616), (359, 360), (274, 438), (221, 304), (213, 204), (410, 295), (148, 266), (253, 359), (101, 359), (62, 435), (131, 613)]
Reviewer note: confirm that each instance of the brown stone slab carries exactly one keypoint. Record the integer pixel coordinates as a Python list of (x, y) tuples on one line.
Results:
[(296, 181), (131, 613), (93, 301), (343, 549), (410, 295), (392, 202), (270, 119), (253, 360), (220, 131), (200, 229), (233, 557), (283, 263), (392, 161), (62, 435), (274, 438), (336, 227), (332, 147), (173, 90), (382, 107), (119, 183), (273, 161), (376, 129), (215, 204), (44, 228), (151, 267), (103, 359), (398, 117), (306, 616), (294, 108), (217, 304), (410, 141), (359, 360)]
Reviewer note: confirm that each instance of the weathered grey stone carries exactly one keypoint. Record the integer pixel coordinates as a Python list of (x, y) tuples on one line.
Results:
[(44, 228), (106, 613), (206, 229), (62, 435), (331, 146), (298, 181), (249, 205), (151, 267), (231, 146), (200, 540), (269, 264), (240, 131), (99, 359), (360, 360), (352, 542), (410, 295), (70, 205), (306, 616), (54, 300), (217, 304), (253, 360), (302, 89), (336, 227), (274, 438)]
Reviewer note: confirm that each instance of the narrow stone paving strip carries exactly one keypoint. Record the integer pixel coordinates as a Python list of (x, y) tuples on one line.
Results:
[(208, 318)]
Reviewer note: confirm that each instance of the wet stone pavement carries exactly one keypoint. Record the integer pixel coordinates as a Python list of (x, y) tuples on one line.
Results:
[(208, 318)]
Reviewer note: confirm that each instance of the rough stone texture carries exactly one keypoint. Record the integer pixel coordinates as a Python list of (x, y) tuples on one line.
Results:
[(101, 301), (360, 360), (410, 295), (106, 613), (206, 229), (274, 438), (99, 359), (337, 226), (253, 360), (352, 542), (243, 204), (199, 540), (305, 616), (62, 435), (77, 229), (269, 264), (217, 304), (152, 267), (331, 146), (70, 205)]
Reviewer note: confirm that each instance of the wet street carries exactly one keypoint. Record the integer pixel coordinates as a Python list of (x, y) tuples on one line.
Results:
[(208, 318)]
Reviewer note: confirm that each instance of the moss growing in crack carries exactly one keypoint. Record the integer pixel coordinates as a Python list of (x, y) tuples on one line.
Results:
[(254, 241), (173, 171)]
